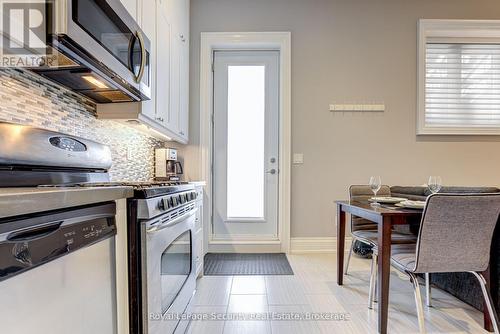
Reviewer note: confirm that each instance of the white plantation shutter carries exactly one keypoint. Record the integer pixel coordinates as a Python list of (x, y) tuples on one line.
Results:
[(462, 86)]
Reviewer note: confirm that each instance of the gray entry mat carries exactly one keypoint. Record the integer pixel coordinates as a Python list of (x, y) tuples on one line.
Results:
[(218, 264)]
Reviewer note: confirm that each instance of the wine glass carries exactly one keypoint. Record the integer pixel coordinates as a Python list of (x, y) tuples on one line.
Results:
[(375, 185), (435, 184)]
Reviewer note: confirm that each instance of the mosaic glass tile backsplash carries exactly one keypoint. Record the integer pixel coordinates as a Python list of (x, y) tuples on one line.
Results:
[(27, 98)]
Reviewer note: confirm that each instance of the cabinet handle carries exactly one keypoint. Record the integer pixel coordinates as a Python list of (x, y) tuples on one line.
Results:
[(182, 133), (159, 119)]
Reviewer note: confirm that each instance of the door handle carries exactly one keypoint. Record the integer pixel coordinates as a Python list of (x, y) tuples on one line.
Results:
[(35, 233), (271, 171)]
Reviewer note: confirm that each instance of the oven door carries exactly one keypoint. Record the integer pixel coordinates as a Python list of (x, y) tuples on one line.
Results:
[(105, 30), (170, 280)]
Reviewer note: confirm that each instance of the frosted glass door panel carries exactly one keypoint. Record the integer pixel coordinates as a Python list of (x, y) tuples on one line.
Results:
[(245, 141)]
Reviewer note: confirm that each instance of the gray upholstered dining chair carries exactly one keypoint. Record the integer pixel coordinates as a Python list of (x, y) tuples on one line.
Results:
[(455, 236), (367, 231)]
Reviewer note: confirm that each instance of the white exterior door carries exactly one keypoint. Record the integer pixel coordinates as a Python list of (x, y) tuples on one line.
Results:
[(246, 145)]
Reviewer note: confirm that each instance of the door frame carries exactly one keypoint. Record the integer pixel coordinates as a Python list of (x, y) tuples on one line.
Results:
[(280, 41)]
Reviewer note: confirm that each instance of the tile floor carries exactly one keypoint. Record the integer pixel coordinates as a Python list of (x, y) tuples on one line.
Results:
[(313, 290)]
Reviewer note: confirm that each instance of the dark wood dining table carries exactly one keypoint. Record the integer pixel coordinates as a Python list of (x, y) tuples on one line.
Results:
[(385, 216)]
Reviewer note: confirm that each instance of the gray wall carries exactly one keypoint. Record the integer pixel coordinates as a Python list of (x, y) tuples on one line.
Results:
[(351, 51)]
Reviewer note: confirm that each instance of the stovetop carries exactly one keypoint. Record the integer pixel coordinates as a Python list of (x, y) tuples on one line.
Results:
[(146, 189)]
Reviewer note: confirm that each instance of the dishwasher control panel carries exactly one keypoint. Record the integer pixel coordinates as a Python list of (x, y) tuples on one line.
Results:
[(49, 238)]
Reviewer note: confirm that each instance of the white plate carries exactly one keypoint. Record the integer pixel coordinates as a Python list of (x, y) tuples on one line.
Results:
[(411, 204), (390, 200)]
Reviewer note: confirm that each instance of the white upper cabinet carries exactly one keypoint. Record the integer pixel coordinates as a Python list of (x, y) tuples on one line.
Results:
[(164, 71), (184, 72), (178, 17), (148, 23), (166, 24)]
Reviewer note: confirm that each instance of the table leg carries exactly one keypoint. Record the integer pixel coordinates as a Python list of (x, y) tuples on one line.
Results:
[(384, 269), (486, 315), (340, 244)]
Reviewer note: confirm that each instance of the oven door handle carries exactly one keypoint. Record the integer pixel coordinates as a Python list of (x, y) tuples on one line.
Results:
[(159, 227)]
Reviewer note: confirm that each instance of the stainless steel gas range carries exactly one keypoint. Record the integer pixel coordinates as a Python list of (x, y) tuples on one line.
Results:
[(161, 256)]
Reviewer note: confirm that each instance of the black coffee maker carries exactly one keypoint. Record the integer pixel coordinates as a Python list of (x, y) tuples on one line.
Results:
[(167, 166)]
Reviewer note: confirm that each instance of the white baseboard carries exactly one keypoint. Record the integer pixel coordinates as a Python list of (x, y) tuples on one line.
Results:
[(316, 245)]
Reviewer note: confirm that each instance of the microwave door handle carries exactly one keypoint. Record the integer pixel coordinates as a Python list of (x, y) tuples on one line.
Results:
[(143, 57)]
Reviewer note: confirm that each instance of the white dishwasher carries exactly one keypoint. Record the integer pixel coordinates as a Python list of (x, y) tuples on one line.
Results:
[(57, 272)]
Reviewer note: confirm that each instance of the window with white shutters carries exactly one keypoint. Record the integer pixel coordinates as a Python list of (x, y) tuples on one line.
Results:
[(460, 92)]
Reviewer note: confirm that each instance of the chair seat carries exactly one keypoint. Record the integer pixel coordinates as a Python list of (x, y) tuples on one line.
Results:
[(371, 237), (402, 256)]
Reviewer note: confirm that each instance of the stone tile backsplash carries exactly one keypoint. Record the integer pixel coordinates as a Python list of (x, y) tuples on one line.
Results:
[(27, 98)]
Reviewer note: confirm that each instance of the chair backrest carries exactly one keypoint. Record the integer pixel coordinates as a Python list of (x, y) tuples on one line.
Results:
[(456, 232), (362, 193)]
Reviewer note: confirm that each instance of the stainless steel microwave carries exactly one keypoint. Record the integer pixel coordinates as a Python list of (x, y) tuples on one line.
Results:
[(100, 50)]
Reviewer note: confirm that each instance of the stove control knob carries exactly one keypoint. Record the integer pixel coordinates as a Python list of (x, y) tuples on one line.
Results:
[(164, 204), (174, 201), (194, 194)]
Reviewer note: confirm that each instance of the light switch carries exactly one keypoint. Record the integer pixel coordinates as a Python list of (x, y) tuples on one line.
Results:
[(298, 158)]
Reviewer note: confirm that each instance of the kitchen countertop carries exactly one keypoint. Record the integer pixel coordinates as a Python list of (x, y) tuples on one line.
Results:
[(19, 201)]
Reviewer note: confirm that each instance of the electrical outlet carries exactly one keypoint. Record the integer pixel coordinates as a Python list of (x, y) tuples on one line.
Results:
[(130, 154)]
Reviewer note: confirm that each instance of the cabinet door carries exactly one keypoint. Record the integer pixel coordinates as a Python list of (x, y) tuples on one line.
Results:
[(175, 78), (179, 79), (163, 66), (184, 87), (199, 253), (198, 226), (148, 18), (172, 62)]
